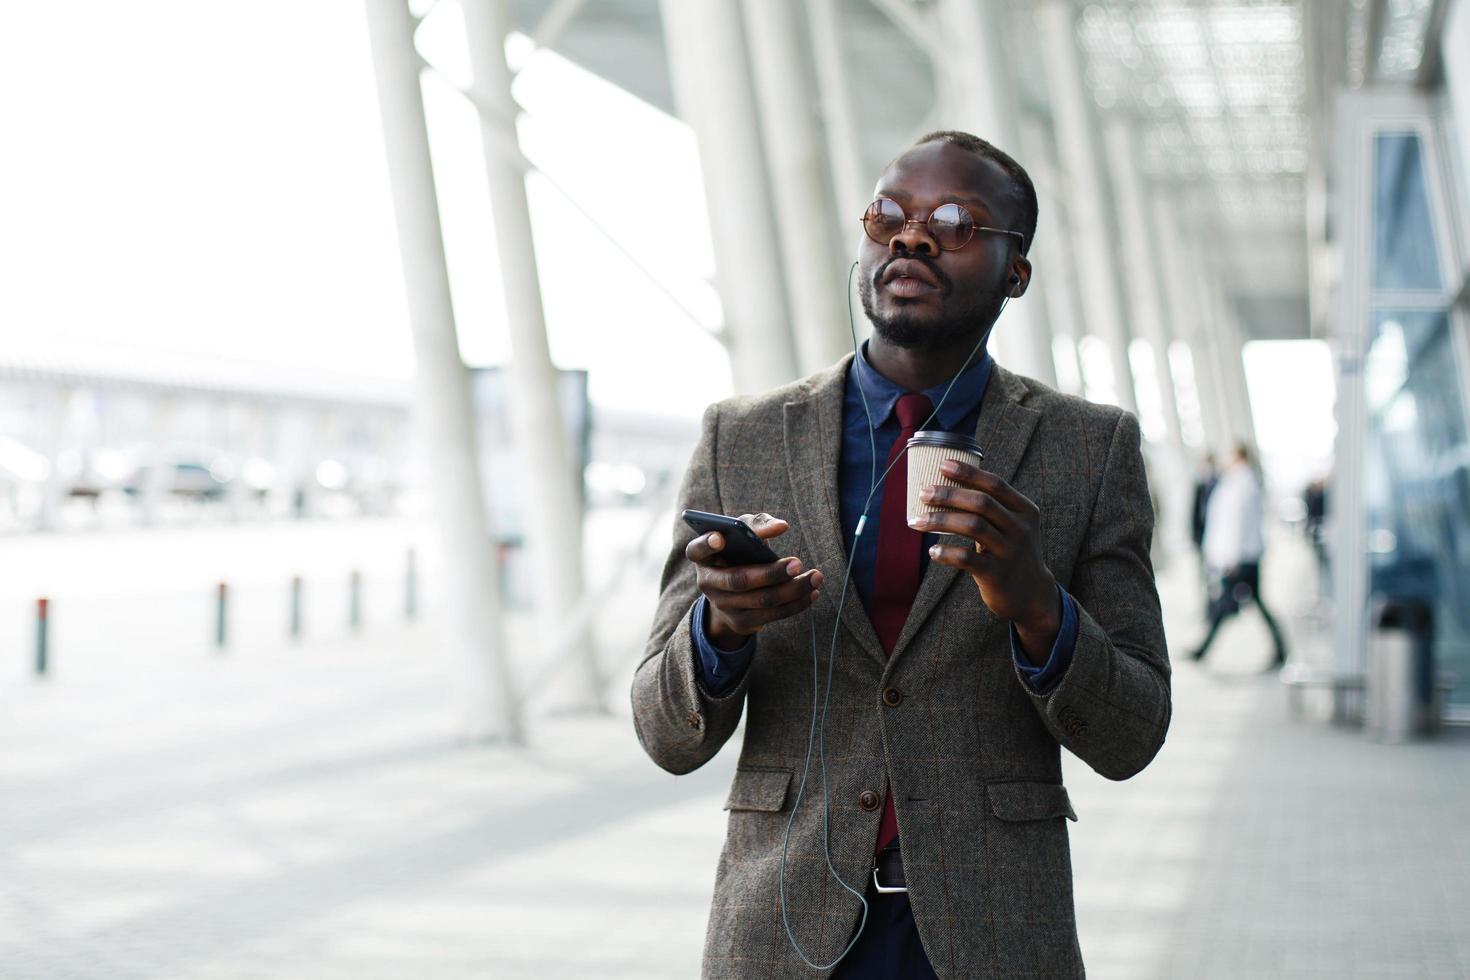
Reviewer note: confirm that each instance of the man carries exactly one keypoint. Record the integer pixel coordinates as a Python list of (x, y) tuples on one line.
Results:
[(1233, 549), (1023, 618), (1204, 482), (1314, 500)]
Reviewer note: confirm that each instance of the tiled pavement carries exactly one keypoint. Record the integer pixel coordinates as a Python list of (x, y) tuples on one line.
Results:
[(298, 812)]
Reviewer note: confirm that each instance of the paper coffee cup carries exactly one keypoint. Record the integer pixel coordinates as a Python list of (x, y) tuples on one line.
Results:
[(927, 452)]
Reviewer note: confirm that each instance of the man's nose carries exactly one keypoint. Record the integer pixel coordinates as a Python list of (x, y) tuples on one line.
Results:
[(914, 237)]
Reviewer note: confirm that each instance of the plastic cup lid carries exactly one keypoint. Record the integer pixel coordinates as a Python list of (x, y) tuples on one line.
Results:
[(945, 440)]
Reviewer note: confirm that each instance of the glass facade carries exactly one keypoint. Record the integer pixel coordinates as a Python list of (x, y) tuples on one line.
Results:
[(1404, 255), (1416, 462)]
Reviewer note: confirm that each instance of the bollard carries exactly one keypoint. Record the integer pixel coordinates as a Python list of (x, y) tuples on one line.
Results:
[(42, 609), (295, 607), (411, 587), (354, 601), (221, 602)]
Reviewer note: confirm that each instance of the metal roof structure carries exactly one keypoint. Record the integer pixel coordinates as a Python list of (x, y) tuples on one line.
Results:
[(1221, 94)]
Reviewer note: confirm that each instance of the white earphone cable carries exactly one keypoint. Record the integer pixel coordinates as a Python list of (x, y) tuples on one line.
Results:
[(818, 732)]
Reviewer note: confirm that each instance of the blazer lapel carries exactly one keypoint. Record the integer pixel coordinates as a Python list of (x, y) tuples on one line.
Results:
[(1003, 431), (813, 435)]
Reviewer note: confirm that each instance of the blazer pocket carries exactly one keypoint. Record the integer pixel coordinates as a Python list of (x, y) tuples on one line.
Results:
[(1030, 801), (761, 790)]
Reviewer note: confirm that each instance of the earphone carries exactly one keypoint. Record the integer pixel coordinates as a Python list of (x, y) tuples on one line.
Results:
[(819, 732)]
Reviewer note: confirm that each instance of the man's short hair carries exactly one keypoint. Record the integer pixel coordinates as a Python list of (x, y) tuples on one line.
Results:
[(1025, 191)]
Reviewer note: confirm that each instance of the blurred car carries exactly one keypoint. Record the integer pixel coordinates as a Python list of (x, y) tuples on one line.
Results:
[(185, 478)]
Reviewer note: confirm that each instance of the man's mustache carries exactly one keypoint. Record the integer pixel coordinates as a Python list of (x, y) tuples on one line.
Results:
[(945, 285)]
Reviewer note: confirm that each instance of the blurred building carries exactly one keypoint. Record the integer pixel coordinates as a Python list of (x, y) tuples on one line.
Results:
[(1211, 174)]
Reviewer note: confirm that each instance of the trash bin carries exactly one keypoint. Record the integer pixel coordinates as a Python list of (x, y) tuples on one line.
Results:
[(1400, 699)]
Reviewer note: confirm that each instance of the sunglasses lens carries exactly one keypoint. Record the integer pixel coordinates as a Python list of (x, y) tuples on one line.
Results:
[(951, 226), (883, 220)]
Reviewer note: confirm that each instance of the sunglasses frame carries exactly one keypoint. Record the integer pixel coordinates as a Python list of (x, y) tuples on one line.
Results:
[(925, 222)]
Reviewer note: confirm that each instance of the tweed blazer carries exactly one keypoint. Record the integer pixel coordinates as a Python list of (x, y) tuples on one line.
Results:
[(971, 753)]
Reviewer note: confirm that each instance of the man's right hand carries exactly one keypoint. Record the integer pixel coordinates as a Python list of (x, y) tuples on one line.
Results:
[(744, 598)]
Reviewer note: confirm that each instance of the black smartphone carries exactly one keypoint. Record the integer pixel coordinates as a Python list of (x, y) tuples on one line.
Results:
[(742, 546)]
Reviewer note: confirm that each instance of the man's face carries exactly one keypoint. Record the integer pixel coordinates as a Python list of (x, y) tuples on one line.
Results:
[(919, 296)]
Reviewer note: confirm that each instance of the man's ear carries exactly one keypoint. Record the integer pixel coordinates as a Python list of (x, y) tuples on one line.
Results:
[(1019, 277)]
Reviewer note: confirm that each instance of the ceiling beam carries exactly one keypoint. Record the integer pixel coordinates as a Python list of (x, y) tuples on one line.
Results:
[(1374, 24), (1431, 63), (915, 24), (553, 23)]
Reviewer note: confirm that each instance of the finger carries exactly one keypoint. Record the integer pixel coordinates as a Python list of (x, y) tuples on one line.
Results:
[(751, 620), (704, 547), (767, 598), (978, 479), (966, 525), (744, 578), (958, 556), (766, 526), (974, 501)]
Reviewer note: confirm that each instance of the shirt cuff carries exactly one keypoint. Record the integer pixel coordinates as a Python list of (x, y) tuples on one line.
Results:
[(720, 669), (1042, 679)]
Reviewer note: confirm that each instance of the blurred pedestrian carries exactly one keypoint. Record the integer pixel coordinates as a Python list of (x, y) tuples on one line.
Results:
[(1315, 500), (1233, 547), (1204, 481)]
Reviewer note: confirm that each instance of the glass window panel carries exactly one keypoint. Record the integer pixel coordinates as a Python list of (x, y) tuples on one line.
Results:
[(1417, 476), (1404, 255)]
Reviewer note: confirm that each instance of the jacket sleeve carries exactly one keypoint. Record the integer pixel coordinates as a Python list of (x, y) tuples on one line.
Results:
[(1111, 707), (679, 723)]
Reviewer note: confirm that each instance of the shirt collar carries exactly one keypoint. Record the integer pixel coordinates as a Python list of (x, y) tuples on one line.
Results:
[(883, 394)]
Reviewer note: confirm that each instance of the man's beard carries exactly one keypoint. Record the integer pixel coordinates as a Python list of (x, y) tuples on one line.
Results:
[(956, 326)]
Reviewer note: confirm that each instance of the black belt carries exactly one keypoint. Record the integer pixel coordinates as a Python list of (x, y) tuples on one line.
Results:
[(888, 872)]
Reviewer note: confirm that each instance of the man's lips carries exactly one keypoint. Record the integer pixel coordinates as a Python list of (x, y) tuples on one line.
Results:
[(908, 277)]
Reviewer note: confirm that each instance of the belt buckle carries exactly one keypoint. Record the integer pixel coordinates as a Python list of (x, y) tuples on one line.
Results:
[(886, 889)]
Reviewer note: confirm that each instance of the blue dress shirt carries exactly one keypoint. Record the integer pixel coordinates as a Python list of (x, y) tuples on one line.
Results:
[(958, 412)]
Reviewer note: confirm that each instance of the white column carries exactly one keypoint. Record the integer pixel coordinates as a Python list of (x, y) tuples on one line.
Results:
[(554, 505), (1050, 290), (1232, 338), (975, 92), (705, 40), (850, 178), (1145, 280), (1223, 341), (1173, 469), (1051, 256), (487, 702), (1082, 161), (1185, 315), (1054, 260), (800, 184)]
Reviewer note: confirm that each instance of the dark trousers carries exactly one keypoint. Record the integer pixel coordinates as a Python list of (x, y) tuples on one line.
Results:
[(889, 948), (1243, 583)]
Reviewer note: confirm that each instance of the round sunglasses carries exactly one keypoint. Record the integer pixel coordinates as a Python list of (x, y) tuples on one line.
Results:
[(950, 225)]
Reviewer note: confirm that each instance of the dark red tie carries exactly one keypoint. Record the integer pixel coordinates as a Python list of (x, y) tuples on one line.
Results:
[(896, 574)]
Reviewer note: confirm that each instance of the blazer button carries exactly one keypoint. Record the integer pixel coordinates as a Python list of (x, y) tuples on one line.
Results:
[(694, 720), (868, 800), (892, 697)]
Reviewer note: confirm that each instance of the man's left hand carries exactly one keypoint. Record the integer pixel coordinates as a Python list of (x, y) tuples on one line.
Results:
[(1005, 561)]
